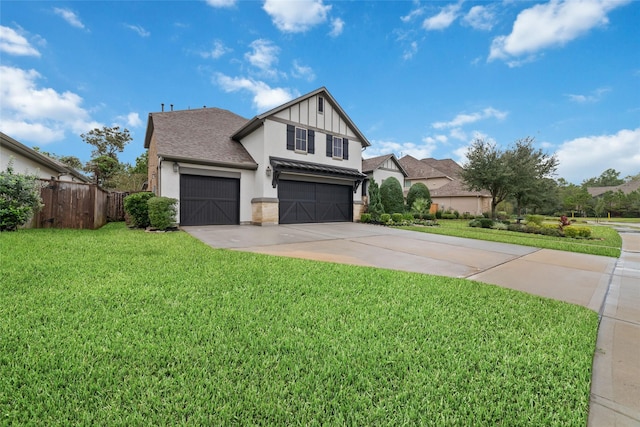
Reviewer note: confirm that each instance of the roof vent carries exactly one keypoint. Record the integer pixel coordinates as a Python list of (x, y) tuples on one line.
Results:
[(162, 106)]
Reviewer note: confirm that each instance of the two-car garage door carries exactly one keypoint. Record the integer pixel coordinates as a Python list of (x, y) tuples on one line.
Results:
[(301, 201), (209, 200)]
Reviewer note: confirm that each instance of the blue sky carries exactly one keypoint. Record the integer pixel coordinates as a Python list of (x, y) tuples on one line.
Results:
[(417, 77)]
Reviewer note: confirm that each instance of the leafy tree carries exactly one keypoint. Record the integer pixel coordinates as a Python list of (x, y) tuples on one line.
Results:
[(418, 191), (574, 197), (487, 169), (71, 161), (608, 178), (107, 141), (19, 198), (530, 168), (391, 196), (375, 205)]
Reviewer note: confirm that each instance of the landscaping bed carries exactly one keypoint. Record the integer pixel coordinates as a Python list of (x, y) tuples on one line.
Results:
[(123, 327)]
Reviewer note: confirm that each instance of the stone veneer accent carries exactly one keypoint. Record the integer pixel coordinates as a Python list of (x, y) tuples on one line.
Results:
[(264, 211), (358, 209)]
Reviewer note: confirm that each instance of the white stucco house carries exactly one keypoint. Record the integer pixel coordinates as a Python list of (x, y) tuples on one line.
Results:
[(381, 168), (28, 161), (297, 163)]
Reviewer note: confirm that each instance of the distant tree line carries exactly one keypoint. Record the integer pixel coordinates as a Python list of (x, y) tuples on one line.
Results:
[(104, 166)]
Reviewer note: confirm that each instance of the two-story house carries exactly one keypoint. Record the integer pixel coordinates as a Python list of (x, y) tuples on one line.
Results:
[(297, 163)]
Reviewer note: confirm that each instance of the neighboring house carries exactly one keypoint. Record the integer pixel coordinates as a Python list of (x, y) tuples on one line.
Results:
[(626, 188), (380, 168), (27, 160), (299, 162), (447, 189)]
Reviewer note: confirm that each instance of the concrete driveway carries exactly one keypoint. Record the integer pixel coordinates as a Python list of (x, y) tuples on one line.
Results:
[(574, 278)]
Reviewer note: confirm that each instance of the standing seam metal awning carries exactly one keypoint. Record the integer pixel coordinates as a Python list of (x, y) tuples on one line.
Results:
[(280, 165)]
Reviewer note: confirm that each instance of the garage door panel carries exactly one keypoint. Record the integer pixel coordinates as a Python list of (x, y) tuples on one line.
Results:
[(206, 200), (302, 202)]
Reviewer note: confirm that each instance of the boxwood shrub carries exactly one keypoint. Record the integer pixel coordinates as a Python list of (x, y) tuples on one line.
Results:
[(385, 218), (576, 231), (365, 217), (162, 212), (135, 205), (397, 217)]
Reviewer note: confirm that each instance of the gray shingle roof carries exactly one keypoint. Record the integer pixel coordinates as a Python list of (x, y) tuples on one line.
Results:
[(626, 188), (418, 169), (373, 163), (201, 135)]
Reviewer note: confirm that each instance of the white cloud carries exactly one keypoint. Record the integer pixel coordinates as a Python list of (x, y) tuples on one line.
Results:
[(263, 56), (442, 20), (138, 29), (131, 120), (296, 16), (551, 24), (302, 72), (41, 115), (216, 51), (419, 151), (13, 43), (588, 156), (416, 12), (464, 119), (221, 3), (595, 96), (337, 26), (69, 16), (410, 51), (459, 134), (480, 18), (264, 96)]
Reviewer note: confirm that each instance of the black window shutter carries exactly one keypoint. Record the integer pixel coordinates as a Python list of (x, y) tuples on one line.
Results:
[(329, 145), (291, 137), (311, 142), (345, 148)]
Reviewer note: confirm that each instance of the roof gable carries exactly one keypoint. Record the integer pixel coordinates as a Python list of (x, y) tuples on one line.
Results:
[(418, 169), (373, 163), (258, 120), (202, 135)]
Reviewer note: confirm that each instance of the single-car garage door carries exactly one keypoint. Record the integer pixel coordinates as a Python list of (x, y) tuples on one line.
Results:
[(209, 200), (314, 202)]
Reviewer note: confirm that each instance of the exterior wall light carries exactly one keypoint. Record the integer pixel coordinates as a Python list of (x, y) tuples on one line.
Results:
[(268, 170), (176, 167)]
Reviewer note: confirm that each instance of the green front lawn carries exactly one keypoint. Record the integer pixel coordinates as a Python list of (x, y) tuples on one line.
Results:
[(605, 240), (122, 327)]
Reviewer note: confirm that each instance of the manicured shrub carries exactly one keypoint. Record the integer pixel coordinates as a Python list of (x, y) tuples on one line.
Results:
[(391, 196), (448, 215), (576, 231), (551, 230), (429, 217), (515, 227), (162, 212), (534, 229), (499, 226), (534, 219), (135, 205), (439, 214), (457, 214), (19, 198), (420, 208), (475, 223), (502, 215), (466, 215), (385, 218), (375, 206), (408, 217), (486, 223), (397, 217), (418, 191), (365, 217)]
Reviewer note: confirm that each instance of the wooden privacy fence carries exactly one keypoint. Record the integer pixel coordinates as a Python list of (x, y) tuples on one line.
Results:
[(77, 205)]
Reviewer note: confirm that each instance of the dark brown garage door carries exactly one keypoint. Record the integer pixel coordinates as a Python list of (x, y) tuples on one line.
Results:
[(208, 200), (314, 202)]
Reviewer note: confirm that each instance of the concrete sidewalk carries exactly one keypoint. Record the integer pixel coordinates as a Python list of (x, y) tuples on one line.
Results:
[(615, 386), (606, 285)]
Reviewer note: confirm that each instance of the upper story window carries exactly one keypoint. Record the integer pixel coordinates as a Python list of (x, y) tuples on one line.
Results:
[(337, 147), (320, 105), (301, 140)]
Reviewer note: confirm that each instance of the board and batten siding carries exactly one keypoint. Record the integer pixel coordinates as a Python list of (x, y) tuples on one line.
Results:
[(306, 114)]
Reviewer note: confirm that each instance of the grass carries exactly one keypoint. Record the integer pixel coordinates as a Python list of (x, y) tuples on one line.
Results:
[(605, 240), (123, 327)]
